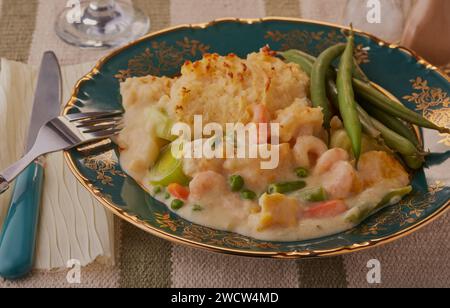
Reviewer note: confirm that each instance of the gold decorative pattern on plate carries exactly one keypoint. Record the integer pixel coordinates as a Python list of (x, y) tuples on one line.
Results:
[(210, 236), (162, 57), (446, 69), (214, 237), (164, 221), (105, 167), (299, 39), (427, 99)]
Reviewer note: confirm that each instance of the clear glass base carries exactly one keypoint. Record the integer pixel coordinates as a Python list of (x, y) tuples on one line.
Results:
[(94, 25)]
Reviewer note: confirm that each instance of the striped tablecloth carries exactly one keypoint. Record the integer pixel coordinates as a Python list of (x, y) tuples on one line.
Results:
[(26, 31)]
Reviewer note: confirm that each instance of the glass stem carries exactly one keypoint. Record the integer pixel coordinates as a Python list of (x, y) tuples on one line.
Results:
[(102, 24)]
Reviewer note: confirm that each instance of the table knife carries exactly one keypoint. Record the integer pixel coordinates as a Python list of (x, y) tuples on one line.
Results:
[(18, 235)]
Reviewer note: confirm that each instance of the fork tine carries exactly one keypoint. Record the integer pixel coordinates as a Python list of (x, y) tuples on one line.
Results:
[(103, 133), (97, 128), (92, 122), (92, 115)]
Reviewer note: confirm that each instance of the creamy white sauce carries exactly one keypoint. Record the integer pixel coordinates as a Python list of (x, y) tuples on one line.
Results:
[(240, 220)]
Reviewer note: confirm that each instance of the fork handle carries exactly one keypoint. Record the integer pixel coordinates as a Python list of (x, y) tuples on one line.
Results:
[(13, 171), (4, 185)]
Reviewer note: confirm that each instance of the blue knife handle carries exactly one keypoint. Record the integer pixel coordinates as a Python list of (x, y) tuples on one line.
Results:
[(18, 237)]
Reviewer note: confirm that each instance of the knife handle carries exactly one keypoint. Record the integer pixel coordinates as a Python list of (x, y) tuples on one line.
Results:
[(18, 237)]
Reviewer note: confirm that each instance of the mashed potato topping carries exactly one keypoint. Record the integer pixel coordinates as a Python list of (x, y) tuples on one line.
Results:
[(258, 89), (223, 88)]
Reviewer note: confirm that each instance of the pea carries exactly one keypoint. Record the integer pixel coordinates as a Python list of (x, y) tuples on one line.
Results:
[(284, 188), (167, 196), (248, 195), (236, 183), (157, 190), (177, 204), (302, 172), (197, 208)]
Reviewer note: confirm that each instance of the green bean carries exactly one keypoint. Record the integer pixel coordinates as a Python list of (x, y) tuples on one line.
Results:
[(368, 92), (319, 79), (306, 64), (394, 140), (367, 124), (364, 118), (412, 157), (361, 212), (317, 194), (393, 123), (332, 92), (236, 183), (365, 89), (346, 95), (176, 204), (301, 54), (394, 196), (294, 57), (415, 162), (340, 139), (358, 73), (381, 101), (287, 187)]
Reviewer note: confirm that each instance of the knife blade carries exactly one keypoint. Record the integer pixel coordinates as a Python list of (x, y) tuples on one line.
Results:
[(18, 236)]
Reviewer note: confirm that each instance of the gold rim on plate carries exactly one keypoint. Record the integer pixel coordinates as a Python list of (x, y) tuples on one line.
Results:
[(274, 254)]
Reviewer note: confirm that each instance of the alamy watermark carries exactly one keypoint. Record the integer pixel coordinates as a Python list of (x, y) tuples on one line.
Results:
[(374, 11), (74, 274), (236, 141), (75, 13), (374, 274)]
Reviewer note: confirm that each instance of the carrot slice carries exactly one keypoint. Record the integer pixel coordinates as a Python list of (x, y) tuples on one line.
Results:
[(178, 191), (261, 115), (326, 209)]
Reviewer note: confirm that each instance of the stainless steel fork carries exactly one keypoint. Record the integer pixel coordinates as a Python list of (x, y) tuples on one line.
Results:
[(64, 133)]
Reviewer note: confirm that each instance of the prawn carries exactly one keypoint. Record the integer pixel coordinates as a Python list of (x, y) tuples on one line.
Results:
[(307, 151), (208, 183), (329, 159), (339, 181)]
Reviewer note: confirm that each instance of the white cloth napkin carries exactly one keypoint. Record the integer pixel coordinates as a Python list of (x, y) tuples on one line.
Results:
[(72, 224)]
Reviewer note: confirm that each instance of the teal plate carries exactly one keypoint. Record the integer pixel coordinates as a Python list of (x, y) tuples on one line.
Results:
[(412, 80)]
